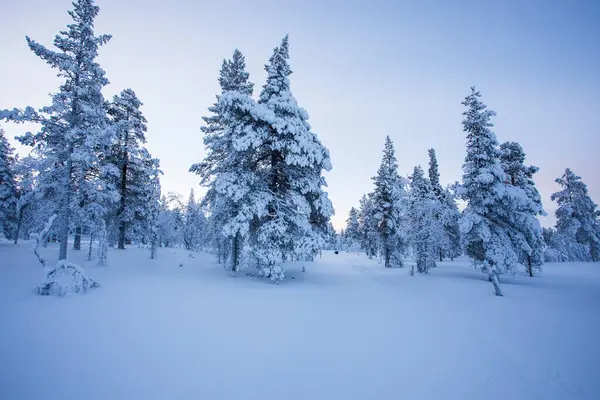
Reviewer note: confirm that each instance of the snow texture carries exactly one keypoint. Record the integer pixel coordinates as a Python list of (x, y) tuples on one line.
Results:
[(347, 328)]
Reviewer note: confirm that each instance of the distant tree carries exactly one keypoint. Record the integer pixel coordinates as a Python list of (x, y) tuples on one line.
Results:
[(368, 226), (447, 214), (194, 225), (388, 208), (353, 228), (425, 227)]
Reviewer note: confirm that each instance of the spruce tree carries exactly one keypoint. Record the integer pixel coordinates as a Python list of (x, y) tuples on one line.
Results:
[(577, 219), (493, 220), (447, 214), (230, 167), (425, 227), (531, 241), (388, 207), (133, 162), (367, 225), (353, 228), (74, 134), (292, 159)]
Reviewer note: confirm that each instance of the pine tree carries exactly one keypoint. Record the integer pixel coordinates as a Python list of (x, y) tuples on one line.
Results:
[(387, 204), (133, 161), (577, 219), (74, 134), (492, 223), (521, 176), (8, 189), (425, 227)]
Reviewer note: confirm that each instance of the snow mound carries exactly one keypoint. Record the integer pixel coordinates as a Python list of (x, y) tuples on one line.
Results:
[(66, 278)]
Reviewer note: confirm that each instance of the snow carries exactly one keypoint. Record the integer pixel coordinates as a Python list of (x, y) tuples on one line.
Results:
[(347, 328)]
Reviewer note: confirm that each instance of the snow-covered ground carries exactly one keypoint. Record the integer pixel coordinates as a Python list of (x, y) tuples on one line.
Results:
[(345, 329)]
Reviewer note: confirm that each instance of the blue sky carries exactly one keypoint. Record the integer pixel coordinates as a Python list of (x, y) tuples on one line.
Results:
[(363, 70)]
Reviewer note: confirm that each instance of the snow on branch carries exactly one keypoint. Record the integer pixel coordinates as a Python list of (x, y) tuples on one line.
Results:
[(41, 236)]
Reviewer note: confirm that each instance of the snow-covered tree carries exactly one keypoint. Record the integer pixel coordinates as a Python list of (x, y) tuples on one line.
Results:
[(8, 189), (576, 219), (353, 229), (194, 224), (521, 175), (497, 213), (229, 169), (153, 194), (447, 214), (425, 226), (368, 226), (134, 163), (388, 206), (292, 160), (74, 135), (169, 223)]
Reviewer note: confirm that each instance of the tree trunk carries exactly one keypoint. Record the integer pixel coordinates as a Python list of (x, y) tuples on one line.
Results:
[(496, 283), (77, 240), (89, 255), (63, 228), (529, 266), (102, 245), (19, 224), (235, 252), (387, 257), (122, 204), (441, 258)]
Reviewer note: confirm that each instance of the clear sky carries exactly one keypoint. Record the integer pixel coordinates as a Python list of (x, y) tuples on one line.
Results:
[(363, 70)]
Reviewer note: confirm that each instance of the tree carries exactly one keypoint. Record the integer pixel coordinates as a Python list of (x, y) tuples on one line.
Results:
[(8, 189), (519, 175), (194, 224), (353, 228), (447, 214), (133, 161), (368, 225), (577, 219), (229, 169), (388, 208), (292, 160), (153, 198), (425, 227), (74, 134), (493, 220)]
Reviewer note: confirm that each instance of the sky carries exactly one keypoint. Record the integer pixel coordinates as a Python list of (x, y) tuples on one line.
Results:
[(362, 70)]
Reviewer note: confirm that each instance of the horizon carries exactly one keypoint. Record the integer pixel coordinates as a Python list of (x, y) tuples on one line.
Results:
[(540, 76)]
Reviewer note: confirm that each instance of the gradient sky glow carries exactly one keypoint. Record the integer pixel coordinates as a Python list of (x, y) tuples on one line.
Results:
[(363, 70)]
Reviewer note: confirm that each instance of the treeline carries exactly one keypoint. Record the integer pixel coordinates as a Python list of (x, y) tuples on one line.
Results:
[(88, 162), (499, 227)]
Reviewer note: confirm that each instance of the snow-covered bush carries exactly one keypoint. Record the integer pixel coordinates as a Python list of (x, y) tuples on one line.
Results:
[(66, 278)]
